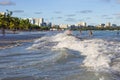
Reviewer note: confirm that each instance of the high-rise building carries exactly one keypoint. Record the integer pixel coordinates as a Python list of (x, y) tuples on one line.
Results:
[(2, 13), (82, 24), (101, 25), (38, 21), (63, 26), (108, 24), (49, 24), (114, 25), (31, 20)]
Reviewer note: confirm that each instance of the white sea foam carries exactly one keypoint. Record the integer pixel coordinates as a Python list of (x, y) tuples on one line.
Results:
[(99, 53)]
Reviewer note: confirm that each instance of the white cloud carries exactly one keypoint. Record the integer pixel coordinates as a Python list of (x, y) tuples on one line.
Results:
[(38, 12), (71, 15), (18, 11), (70, 20), (106, 0), (85, 11)]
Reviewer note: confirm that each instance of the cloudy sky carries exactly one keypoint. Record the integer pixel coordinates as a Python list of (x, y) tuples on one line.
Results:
[(66, 11)]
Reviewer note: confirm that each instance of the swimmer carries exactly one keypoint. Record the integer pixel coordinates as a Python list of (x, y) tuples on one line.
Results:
[(69, 32), (90, 33)]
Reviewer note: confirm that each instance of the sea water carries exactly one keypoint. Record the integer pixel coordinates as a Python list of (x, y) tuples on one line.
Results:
[(58, 56)]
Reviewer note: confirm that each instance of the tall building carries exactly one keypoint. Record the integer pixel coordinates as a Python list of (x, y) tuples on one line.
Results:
[(108, 24), (63, 26), (114, 25), (31, 20), (2, 13), (38, 21), (49, 24), (82, 24), (101, 25)]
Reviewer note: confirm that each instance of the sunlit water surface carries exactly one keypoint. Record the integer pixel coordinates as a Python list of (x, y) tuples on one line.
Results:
[(58, 56)]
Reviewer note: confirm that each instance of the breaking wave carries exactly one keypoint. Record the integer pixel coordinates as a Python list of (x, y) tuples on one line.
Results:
[(97, 54)]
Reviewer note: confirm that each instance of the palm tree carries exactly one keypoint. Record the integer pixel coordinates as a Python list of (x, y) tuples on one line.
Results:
[(24, 24), (5, 19), (14, 23), (8, 18), (3, 23)]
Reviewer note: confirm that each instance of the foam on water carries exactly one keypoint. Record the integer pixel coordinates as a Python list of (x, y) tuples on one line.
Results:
[(100, 55)]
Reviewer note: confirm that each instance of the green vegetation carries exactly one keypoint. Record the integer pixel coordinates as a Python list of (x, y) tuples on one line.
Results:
[(7, 21), (14, 23)]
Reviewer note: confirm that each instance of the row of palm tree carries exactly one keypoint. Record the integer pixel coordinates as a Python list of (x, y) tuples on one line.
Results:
[(13, 23)]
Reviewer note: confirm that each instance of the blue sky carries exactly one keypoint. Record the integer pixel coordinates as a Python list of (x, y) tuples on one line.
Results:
[(66, 11)]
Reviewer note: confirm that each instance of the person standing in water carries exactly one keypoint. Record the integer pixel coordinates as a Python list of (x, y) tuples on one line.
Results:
[(80, 32), (3, 32), (90, 33), (69, 32)]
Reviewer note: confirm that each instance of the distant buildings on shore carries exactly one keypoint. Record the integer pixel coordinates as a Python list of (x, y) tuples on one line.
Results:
[(40, 22), (81, 24), (63, 26), (2, 13), (106, 25)]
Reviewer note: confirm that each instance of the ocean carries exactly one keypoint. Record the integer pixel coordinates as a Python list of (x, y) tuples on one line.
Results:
[(58, 56)]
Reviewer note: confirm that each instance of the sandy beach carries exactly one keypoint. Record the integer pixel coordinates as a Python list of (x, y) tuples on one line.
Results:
[(11, 40)]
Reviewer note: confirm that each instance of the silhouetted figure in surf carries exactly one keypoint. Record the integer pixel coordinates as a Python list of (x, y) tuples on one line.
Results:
[(80, 31), (90, 33), (3, 32), (79, 35), (118, 33)]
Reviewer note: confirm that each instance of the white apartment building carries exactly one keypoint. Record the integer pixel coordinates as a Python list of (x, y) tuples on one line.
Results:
[(108, 24), (82, 24), (38, 21), (63, 26), (2, 13), (31, 20)]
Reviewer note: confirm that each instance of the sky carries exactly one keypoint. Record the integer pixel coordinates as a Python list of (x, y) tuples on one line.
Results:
[(92, 12)]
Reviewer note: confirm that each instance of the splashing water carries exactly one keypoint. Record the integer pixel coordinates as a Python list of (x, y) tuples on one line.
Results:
[(99, 53), (58, 56)]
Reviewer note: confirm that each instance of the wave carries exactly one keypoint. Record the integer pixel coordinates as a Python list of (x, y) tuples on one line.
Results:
[(100, 54)]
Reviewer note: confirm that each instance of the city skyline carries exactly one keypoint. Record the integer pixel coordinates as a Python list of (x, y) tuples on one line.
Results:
[(92, 12)]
